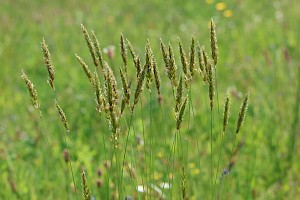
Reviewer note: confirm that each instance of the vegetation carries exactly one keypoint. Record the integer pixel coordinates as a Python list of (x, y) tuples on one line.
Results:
[(156, 117)]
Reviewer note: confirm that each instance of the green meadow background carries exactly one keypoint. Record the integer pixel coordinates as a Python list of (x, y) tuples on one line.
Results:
[(258, 51)]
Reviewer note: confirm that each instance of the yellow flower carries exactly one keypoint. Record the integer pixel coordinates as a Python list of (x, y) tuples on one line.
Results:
[(191, 165), (195, 172), (209, 1), (228, 13), (220, 6)]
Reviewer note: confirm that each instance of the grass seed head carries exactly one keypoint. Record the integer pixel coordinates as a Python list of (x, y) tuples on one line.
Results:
[(226, 111), (62, 116), (85, 68), (242, 113), (192, 56), (165, 53), (178, 96), (201, 62), (31, 90), (171, 70), (156, 76), (85, 189), (181, 113), (213, 42), (126, 91), (97, 49), (211, 84), (48, 63), (123, 51), (183, 58), (89, 44)]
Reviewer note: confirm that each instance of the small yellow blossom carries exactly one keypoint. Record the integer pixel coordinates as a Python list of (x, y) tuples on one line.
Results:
[(195, 172), (160, 154), (228, 13), (220, 6), (192, 165)]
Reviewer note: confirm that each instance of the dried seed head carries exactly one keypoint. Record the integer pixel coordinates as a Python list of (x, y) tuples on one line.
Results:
[(183, 58), (85, 68), (97, 49), (123, 51), (171, 70), (62, 116), (211, 84), (226, 111), (85, 189), (126, 91), (213, 41), (89, 44), (242, 113), (192, 57), (48, 63), (32, 91), (181, 113), (178, 96)]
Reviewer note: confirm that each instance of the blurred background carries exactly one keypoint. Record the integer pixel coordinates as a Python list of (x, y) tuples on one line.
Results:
[(259, 51)]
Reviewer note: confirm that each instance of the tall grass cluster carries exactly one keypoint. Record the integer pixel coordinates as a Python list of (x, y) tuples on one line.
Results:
[(146, 106)]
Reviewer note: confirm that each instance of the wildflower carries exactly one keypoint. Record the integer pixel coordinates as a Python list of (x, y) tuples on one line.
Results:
[(228, 13), (220, 6)]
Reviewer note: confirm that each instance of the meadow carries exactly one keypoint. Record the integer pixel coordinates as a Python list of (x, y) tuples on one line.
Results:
[(163, 145)]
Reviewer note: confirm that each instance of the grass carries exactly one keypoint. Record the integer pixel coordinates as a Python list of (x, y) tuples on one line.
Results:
[(258, 49)]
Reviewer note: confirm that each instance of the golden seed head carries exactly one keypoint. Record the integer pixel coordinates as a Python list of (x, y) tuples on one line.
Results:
[(89, 44), (85, 189), (85, 68), (181, 113), (48, 63), (97, 48), (192, 56), (242, 113), (226, 111), (183, 58), (31, 90), (213, 41), (62, 116)]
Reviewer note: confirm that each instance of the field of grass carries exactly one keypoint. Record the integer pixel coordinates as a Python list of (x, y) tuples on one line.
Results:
[(258, 43)]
